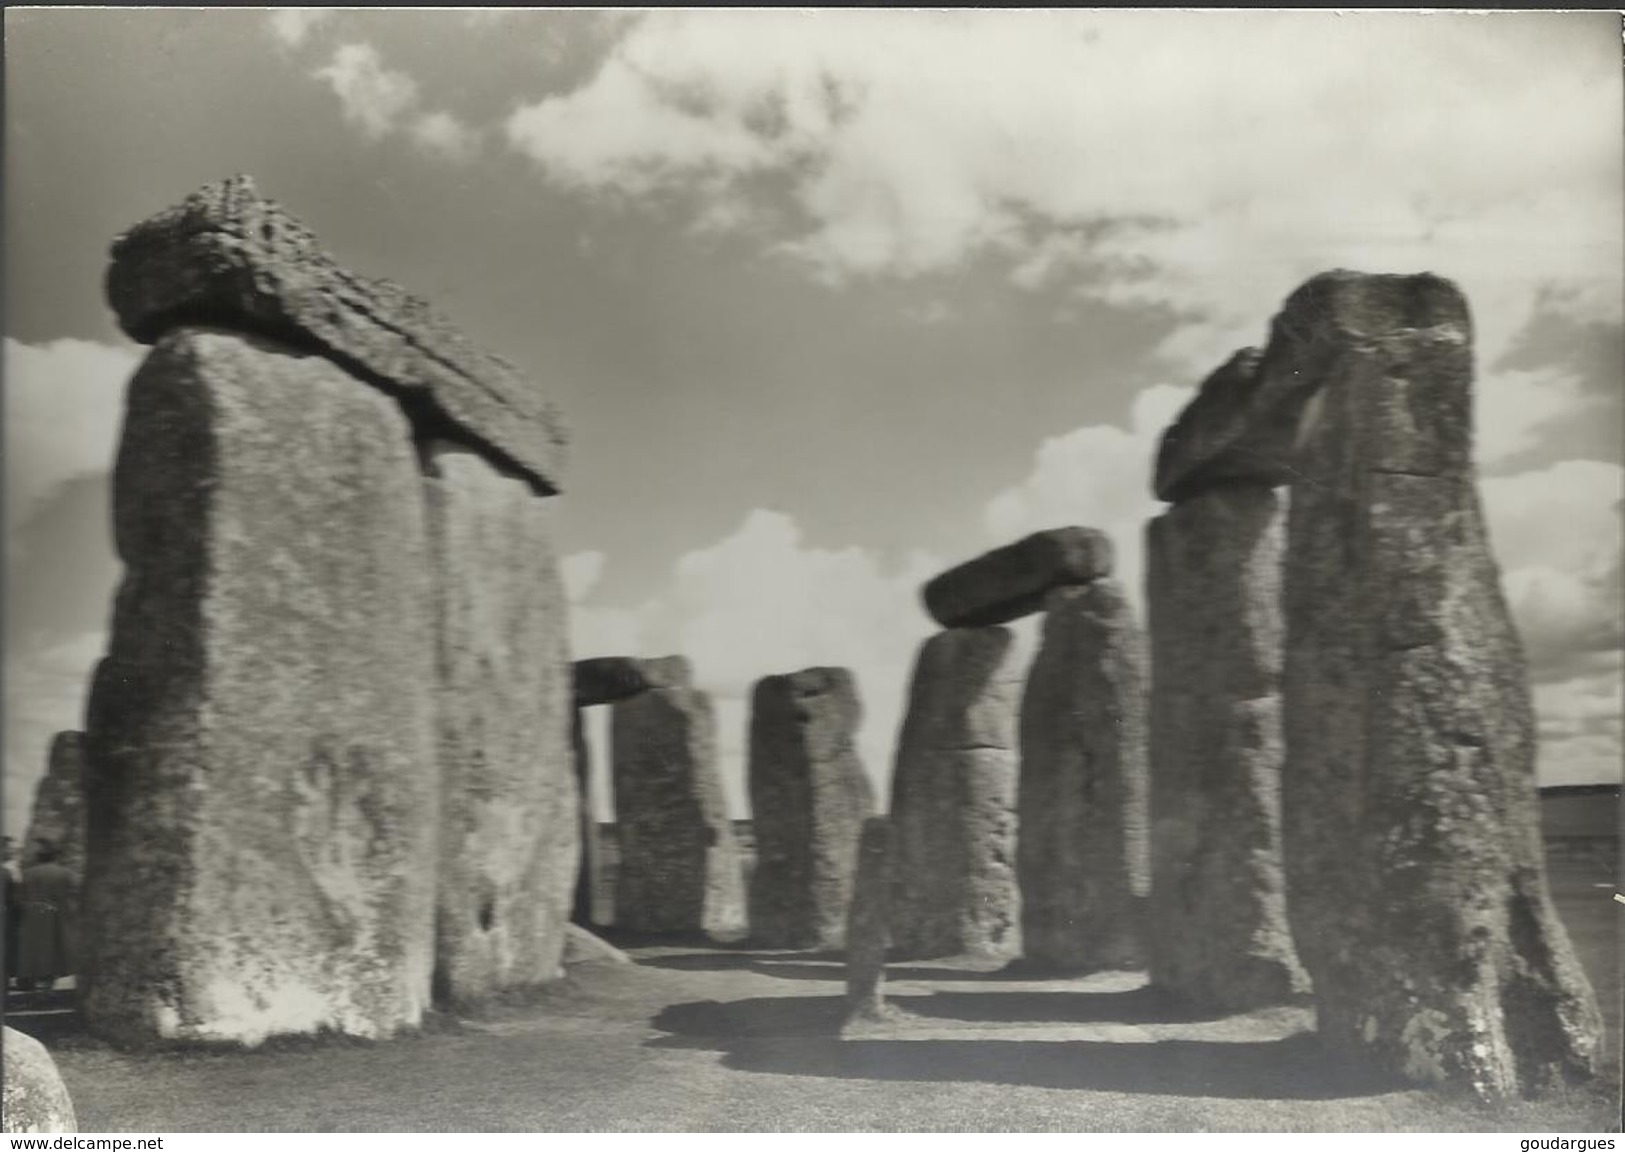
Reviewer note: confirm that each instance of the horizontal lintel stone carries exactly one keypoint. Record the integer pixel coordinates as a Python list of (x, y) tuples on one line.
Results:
[(1011, 582), (227, 257)]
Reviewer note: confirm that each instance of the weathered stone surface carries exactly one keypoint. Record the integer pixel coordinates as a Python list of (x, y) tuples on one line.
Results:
[(606, 679), (1245, 422), (867, 934), (226, 256), (1218, 929), (1081, 852), (59, 804), (680, 869), (953, 799), (510, 808), (35, 1099), (809, 797), (1010, 582), (260, 750), (1415, 877)]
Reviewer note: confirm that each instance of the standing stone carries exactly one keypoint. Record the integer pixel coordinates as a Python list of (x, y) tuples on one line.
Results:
[(953, 799), (35, 1099), (59, 804), (679, 868), (260, 751), (599, 680), (867, 934), (590, 864), (509, 820), (1081, 853), (1218, 928), (809, 797), (1011, 582), (1415, 877)]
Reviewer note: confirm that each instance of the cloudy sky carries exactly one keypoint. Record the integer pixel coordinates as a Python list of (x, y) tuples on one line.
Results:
[(835, 299)]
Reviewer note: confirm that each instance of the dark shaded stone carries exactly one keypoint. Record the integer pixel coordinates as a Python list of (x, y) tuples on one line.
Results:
[(225, 256), (809, 797), (1010, 582), (953, 799), (680, 869), (590, 869), (867, 934), (1245, 422), (1415, 877), (262, 779), (58, 816), (510, 808), (1218, 929), (606, 679), (1081, 851)]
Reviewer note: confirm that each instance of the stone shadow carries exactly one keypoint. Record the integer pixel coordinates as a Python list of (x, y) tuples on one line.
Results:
[(797, 1036), (829, 965)]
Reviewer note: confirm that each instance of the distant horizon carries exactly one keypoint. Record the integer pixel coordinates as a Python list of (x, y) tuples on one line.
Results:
[(836, 299)]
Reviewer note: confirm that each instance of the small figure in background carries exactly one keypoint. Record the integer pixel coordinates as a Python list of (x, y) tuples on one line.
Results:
[(50, 897)]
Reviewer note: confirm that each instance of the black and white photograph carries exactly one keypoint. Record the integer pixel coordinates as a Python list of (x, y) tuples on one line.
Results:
[(862, 570)]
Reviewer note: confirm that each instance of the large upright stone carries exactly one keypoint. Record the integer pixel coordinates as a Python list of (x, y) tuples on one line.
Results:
[(597, 680), (679, 863), (809, 797), (226, 256), (1415, 877), (868, 935), (509, 813), (1218, 928), (953, 799), (34, 1098), (1081, 851), (262, 777), (1010, 582), (59, 804)]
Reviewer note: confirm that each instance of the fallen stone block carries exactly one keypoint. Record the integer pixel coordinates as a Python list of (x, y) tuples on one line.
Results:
[(1010, 582), (225, 256), (583, 947)]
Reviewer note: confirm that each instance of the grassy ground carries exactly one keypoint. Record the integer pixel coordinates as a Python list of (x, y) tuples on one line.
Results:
[(704, 1039)]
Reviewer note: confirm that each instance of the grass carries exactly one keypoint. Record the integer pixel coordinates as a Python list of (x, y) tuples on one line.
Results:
[(693, 1038)]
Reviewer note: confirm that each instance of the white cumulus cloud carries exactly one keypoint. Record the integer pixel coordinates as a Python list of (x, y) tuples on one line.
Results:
[(1135, 156), (383, 102), (292, 26)]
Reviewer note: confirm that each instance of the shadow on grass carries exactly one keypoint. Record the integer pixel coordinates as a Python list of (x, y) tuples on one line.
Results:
[(797, 1036), (817, 966), (1143, 1005)]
